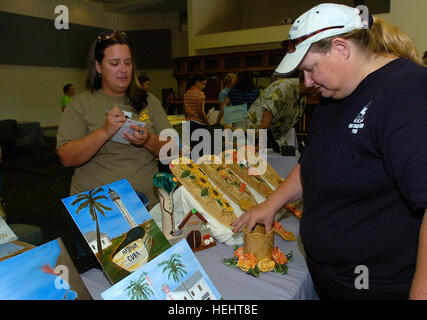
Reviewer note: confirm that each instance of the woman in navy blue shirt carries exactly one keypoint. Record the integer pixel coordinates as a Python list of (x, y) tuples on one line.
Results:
[(363, 173), (244, 91)]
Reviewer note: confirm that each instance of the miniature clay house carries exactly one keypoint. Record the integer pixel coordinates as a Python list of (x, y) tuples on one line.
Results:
[(192, 229)]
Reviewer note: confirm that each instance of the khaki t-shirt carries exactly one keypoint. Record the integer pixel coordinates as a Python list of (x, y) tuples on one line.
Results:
[(113, 161)]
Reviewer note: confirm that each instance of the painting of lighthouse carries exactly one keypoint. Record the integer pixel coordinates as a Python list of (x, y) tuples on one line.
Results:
[(118, 228), (119, 203)]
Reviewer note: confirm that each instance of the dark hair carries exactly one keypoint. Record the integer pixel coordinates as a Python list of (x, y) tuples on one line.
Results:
[(165, 93), (194, 79), (245, 81), (135, 95), (143, 78), (67, 87)]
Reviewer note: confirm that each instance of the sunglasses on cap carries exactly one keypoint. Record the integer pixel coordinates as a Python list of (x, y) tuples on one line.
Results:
[(290, 45), (109, 34)]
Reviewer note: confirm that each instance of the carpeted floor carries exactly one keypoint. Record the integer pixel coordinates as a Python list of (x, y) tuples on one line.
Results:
[(34, 182)]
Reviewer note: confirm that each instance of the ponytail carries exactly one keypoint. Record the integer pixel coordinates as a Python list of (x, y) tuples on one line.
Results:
[(381, 38), (392, 40)]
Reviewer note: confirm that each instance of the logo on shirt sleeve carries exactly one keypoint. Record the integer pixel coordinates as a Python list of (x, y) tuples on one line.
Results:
[(358, 121)]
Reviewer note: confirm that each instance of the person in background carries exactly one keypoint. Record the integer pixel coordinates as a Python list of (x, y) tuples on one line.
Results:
[(277, 109), (244, 91), (85, 129), (144, 81), (229, 82), (69, 91), (84, 133), (363, 173), (194, 104), (168, 101)]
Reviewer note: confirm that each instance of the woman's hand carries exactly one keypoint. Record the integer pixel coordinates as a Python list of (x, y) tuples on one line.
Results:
[(139, 137), (262, 213), (115, 120)]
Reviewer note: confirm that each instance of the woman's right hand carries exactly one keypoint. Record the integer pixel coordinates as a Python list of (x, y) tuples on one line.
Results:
[(263, 214), (115, 119)]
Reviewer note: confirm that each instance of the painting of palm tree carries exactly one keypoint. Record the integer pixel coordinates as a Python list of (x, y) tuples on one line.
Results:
[(176, 270), (140, 289), (90, 201)]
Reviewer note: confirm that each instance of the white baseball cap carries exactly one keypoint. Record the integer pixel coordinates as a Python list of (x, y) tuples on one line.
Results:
[(322, 21)]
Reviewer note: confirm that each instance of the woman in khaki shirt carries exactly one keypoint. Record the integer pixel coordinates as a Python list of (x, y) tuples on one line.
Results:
[(85, 130)]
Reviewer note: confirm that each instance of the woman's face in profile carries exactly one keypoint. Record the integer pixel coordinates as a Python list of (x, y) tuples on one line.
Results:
[(115, 69), (325, 73), (201, 85)]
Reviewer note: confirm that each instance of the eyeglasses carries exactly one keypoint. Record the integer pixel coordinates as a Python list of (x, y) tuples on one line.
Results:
[(290, 45), (109, 34)]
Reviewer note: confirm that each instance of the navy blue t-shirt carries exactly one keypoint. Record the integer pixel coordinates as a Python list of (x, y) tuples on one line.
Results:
[(364, 175)]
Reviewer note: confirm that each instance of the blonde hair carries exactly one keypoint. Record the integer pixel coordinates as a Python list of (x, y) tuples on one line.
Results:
[(229, 77), (382, 38), (391, 39)]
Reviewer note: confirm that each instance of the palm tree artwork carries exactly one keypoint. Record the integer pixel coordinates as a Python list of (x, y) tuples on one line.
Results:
[(139, 289), (95, 207), (176, 270)]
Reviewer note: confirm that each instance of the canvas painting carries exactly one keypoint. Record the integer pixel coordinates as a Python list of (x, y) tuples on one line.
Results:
[(9, 249), (43, 273), (117, 227), (176, 274)]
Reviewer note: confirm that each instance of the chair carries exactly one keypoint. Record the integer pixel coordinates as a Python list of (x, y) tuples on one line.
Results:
[(28, 233), (25, 232)]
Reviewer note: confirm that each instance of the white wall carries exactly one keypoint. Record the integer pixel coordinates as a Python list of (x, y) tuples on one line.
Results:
[(215, 16), (410, 16), (260, 27), (34, 93)]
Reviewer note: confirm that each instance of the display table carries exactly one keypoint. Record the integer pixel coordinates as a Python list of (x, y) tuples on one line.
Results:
[(234, 284)]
